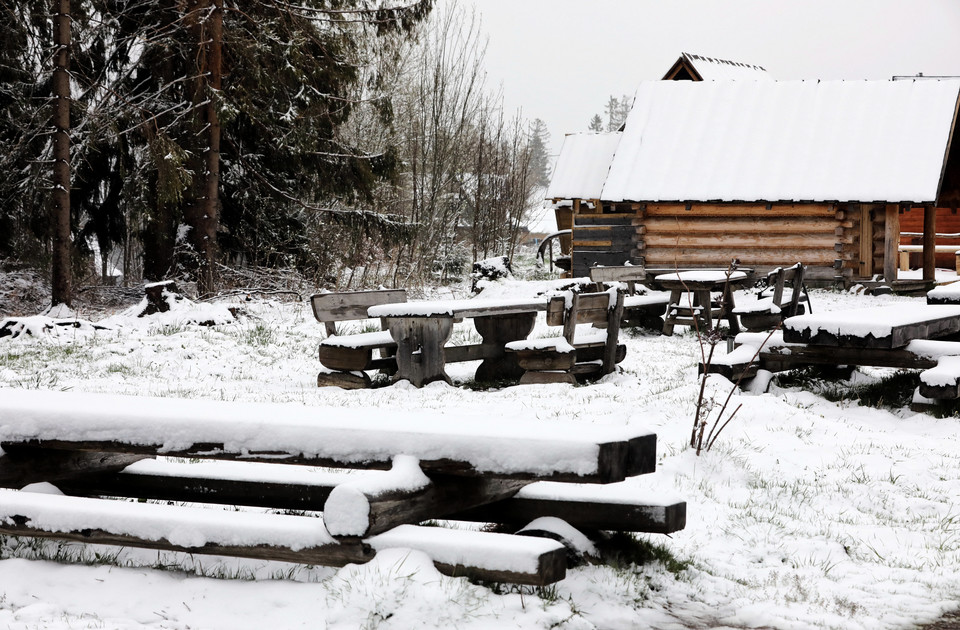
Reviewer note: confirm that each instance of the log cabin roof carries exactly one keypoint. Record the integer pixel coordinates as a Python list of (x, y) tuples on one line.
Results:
[(775, 141), (582, 165), (700, 68)]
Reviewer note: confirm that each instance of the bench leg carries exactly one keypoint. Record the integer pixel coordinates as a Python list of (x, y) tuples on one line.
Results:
[(497, 331)]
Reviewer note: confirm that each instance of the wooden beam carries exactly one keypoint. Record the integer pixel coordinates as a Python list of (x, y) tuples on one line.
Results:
[(633, 516), (377, 503), (20, 468), (929, 243), (891, 241)]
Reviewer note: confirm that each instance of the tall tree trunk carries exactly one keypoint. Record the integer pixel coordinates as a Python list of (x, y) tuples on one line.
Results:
[(62, 277), (203, 211)]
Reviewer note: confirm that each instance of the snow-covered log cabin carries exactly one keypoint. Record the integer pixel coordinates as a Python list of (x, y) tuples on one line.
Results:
[(769, 172)]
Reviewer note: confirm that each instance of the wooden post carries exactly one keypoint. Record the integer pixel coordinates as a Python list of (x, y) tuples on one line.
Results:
[(891, 242), (866, 242), (929, 242)]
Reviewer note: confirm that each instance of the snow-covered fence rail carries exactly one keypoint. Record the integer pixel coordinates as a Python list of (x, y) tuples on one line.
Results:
[(416, 466)]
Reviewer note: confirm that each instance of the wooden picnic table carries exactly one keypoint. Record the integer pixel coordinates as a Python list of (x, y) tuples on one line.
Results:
[(421, 330), (891, 326), (701, 283)]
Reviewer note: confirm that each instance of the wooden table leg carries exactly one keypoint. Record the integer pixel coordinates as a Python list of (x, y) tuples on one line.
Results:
[(420, 342), (727, 311), (497, 331), (670, 317), (706, 308)]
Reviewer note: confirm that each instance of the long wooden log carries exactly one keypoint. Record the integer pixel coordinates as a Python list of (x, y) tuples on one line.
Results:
[(478, 555), (596, 515), (315, 436), (742, 210), (20, 468), (172, 481)]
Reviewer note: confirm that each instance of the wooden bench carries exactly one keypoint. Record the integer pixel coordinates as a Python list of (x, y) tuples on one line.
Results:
[(577, 354), (414, 466), (784, 296), (642, 307), (906, 250), (350, 355)]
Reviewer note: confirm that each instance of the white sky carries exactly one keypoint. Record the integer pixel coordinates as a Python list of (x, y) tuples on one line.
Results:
[(560, 60)]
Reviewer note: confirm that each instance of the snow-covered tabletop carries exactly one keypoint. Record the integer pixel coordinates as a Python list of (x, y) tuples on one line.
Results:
[(701, 276), (944, 294), (892, 326)]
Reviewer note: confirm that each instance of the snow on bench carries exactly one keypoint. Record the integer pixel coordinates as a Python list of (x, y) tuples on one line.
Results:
[(424, 466)]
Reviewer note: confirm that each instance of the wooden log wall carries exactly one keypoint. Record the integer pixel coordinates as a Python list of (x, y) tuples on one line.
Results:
[(669, 235)]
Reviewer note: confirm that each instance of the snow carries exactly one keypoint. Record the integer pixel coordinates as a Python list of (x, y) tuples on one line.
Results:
[(451, 308), (703, 276), (501, 445), (582, 165), (877, 321), (947, 372), (347, 508), (749, 140), (806, 514)]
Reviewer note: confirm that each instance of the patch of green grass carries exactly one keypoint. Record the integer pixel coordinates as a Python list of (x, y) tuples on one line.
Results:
[(260, 335), (621, 550), (889, 392)]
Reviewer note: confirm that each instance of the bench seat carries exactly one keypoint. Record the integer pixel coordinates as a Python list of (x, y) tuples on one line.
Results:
[(372, 340)]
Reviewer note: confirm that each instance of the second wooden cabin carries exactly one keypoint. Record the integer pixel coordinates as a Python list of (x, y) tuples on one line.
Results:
[(767, 172)]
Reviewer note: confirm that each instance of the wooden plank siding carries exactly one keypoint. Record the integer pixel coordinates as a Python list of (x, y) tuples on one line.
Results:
[(759, 236)]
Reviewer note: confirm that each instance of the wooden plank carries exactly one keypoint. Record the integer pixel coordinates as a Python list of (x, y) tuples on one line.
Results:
[(337, 307), (618, 273), (344, 358)]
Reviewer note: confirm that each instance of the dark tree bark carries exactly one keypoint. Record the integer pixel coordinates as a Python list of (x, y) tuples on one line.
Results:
[(203, 211), (62, 279)]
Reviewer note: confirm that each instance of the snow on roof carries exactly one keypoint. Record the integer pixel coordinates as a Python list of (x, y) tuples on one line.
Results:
[(711, 69), (784, 141), (582, 165)]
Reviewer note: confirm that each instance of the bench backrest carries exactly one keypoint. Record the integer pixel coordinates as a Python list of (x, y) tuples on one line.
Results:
[(630, 274), (791, 277), (603, 310), (330, 308)]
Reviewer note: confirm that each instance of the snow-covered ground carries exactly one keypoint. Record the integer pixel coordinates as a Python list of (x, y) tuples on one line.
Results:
[(806, 514)]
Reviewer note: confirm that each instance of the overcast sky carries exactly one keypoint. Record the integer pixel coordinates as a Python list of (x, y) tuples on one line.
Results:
[(560, 60)]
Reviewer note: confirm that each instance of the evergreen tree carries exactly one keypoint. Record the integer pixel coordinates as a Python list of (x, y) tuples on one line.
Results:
[(539, 158), (596, 124)]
